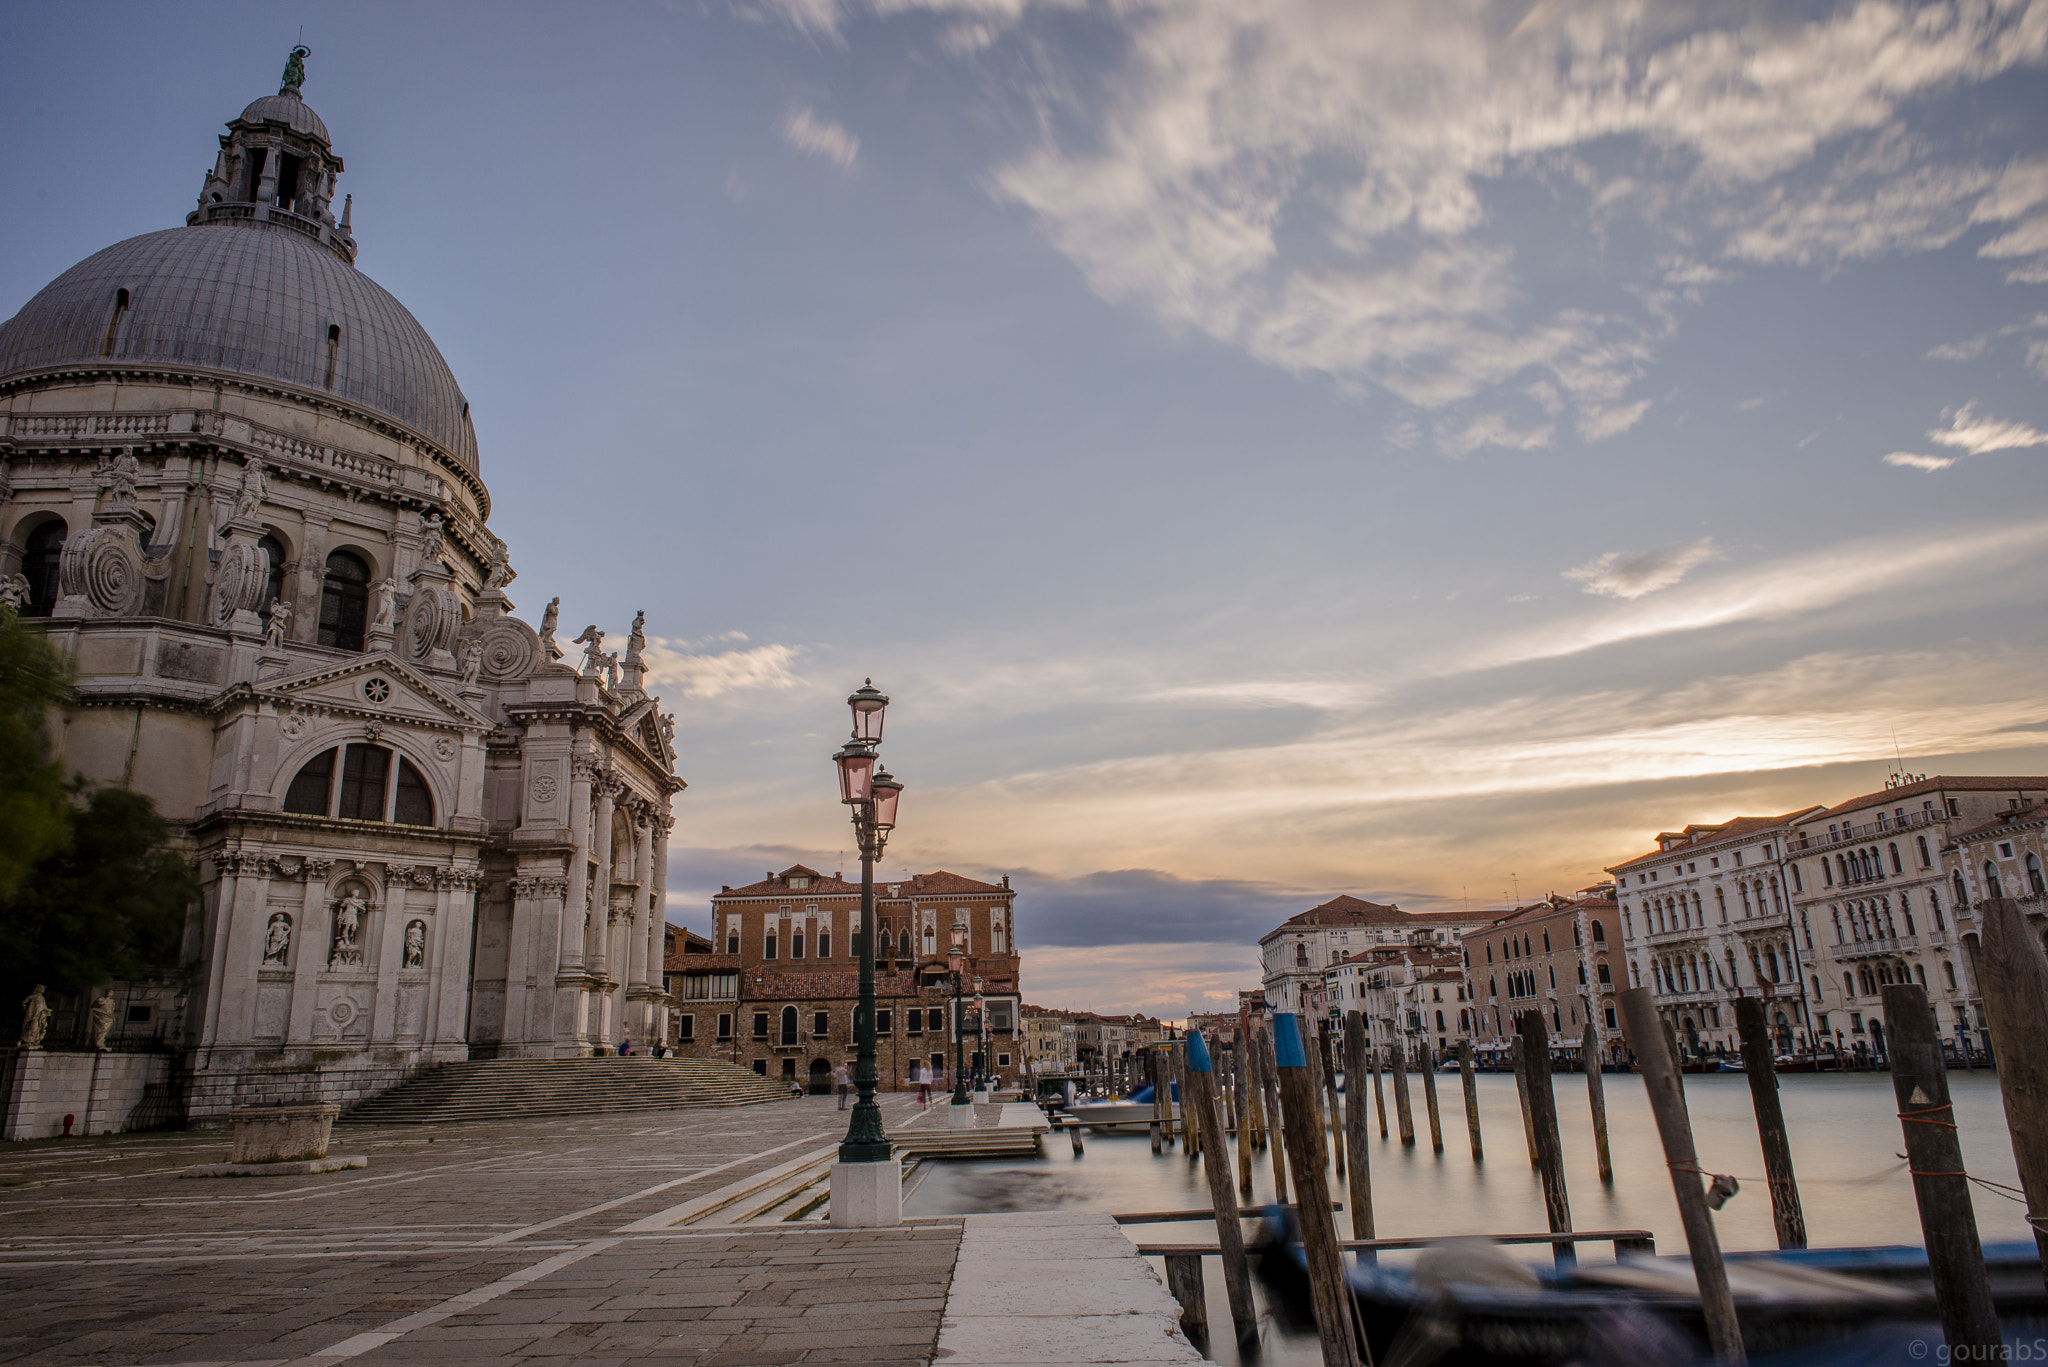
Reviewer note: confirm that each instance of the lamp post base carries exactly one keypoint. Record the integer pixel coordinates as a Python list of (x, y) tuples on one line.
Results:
[(867, 1195), (959, 1117)]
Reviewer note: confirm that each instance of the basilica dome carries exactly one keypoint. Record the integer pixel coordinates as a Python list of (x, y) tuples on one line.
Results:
[(259, 284)]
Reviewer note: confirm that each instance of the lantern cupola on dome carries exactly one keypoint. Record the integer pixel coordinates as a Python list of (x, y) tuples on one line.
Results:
[(277, 165)]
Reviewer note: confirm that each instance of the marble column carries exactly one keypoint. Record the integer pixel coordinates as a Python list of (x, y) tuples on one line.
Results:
[(571, 996), (309, 951), (643, 856), (596, 943), (656, 902)]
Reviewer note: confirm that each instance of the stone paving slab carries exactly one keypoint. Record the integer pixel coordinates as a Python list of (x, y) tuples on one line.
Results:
[(500, 1243)]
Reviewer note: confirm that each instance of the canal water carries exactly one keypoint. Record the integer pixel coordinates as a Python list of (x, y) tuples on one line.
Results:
[(1844, 1132)]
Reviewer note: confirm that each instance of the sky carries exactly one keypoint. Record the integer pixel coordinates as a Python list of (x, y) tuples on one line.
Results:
[(1265, 449)]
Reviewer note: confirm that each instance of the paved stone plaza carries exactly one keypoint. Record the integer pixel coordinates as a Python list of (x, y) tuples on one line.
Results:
[(502, 1243)]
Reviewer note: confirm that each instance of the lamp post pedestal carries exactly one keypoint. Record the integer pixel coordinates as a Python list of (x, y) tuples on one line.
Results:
[(959, 1116), (867, 1195)]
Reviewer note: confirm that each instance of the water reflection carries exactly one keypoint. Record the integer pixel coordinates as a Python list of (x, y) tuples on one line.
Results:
[(1844, 1133)]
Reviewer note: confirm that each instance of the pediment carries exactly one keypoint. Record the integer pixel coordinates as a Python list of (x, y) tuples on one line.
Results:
[(381, 686), (642, 722)]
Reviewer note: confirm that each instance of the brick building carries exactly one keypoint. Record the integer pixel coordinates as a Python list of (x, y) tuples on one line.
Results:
[(1558, 956), (778, 990)]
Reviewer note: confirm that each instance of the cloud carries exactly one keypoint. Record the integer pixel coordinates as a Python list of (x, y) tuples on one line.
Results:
[(2020, 194), (810, 132), (1974, 435), (1117, 906), (729, 671), (1914, 461), (1615, 575), (1968, 350)]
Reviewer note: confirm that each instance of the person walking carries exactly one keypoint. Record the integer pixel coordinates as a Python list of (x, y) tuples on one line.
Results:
[(841, 1084)]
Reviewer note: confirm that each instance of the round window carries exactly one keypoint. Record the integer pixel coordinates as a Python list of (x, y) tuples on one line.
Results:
[(377, 690)]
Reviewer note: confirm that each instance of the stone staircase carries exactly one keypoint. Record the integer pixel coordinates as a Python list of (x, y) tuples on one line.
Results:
[(507, 1089)]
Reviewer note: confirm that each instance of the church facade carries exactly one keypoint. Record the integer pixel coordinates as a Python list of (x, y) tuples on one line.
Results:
[(241, 487)]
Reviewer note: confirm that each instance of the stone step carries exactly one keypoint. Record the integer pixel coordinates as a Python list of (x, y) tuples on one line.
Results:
[(487, 1089)]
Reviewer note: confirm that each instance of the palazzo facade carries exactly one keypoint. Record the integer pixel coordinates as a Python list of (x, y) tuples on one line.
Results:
[(241, 487)]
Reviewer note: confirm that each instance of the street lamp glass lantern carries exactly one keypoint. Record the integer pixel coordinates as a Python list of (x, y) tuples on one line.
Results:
[(856, 772), (868, 704), (886, 791)]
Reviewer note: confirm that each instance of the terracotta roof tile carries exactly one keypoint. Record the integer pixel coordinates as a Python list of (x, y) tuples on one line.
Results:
[(2015, 784)]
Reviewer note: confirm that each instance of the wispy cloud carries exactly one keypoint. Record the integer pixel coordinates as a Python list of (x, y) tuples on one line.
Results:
[(1913, 460), (1615, 575), (808, 131), (671, 665), (1973, 434)]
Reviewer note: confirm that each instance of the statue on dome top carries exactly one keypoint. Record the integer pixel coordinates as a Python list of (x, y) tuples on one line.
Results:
[(295, 69)]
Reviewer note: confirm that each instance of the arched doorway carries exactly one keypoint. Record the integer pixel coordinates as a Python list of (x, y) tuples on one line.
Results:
[(820, 1081), (1877, 1038)]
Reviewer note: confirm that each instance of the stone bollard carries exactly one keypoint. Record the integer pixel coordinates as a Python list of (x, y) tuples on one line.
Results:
[(281, 1134)]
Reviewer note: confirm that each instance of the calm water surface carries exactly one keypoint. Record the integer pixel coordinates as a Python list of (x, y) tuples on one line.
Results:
[(1844, 1130)]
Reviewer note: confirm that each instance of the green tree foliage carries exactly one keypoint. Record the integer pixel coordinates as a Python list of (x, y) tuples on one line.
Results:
[(110, 904), (33, 804)]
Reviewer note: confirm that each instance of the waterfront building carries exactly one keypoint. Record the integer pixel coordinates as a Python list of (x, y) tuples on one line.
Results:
[(1406, 993), (1558, 956), (1709, 916), (778, 992), (2006, 856), (1294, 954), (1049, 1040), (241, 487), (1878, 901)]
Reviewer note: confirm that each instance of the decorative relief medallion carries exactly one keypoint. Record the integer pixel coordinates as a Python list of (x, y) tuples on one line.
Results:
[(239, 580), (444, 746), (104, 566), (377, 690), (545, 786), (510, 649), (293, 726), (342, 1012)]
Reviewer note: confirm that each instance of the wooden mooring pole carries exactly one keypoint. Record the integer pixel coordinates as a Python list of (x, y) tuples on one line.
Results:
[(1202, 1104), (1356, 1052), (1379, 1098), (1326, 1067), (1518, 1056), (2012, 973), (1934, 1155), (1269, 1078), (1436, 1124), (1786, 1212), (1659, 1068), (1557, 1206), (1247, 1113), (1596, 1097), (1327, 1289), (1403, 1112), (1471, 1099)]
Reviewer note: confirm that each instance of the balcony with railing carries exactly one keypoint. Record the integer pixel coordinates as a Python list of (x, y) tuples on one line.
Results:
[(1886, 824), (1883, 947)]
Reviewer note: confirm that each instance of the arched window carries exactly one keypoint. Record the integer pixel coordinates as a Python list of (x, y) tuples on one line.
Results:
[(1848, 986), (1798, 883), (374, 784), (1920, 972), (344, 601), (903, 945), (1991, 885), (1948, 974), (768, 942), (1962, 893), (931, 941), (788, 1035), (1897, 867), (1921, 842), (1546, 942), (1602, 972), (732, 941), (40, 556), (273, 588), (2034, 879), (1599, 934)]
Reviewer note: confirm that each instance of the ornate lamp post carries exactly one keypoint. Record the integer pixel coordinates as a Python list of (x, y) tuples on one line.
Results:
[(958, 1116), (867, 1184), (980, 1042)]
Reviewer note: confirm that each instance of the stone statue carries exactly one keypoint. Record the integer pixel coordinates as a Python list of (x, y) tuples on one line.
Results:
[(668, 726), (472, 661), (500, 573), (35, 1019), (637, 641), (592, 641), (416, 945), (280, 622), (547, 622), (14, 593), (277, 939), (295, 69), (608, 664), (118, 479), (251, 492), (385, 616), (348, 923), (432, 532), (102, 1019)]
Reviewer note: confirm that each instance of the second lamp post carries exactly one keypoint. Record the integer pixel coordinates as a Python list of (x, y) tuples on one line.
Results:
[(867, 1184)]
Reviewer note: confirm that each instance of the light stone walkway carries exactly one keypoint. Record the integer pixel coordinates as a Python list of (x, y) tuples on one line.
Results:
[(502, 1243)]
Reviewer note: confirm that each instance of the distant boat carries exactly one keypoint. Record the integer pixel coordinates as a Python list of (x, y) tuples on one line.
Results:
[(1134, 1114)]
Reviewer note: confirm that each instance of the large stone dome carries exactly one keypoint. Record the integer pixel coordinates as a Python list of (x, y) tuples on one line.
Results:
[(245, 299)]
